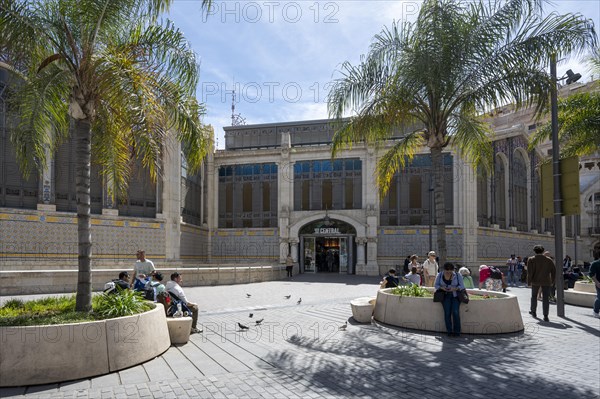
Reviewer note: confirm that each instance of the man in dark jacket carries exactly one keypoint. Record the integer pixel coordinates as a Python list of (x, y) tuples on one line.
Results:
[(541, 274)]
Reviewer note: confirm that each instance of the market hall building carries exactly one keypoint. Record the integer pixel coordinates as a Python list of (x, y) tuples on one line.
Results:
[(330, 217), (275, 190)]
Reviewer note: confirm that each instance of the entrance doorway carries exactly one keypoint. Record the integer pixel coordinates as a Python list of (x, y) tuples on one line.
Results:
[(327, 249)]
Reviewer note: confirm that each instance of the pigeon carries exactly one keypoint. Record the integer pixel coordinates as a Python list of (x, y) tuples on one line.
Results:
[(259, 321), (343, 326), (248, 295), (287, 296), (251, 315), (242, 327), (299, 301)]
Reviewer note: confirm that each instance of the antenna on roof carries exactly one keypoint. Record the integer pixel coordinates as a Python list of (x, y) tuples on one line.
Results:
[(236, 119)]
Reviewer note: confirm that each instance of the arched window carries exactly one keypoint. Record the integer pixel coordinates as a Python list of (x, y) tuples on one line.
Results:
[(500, 191), (15, 191), (482, 198), (519, 191)]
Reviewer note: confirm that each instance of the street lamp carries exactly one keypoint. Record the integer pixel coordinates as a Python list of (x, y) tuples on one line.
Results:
[(558, 235)]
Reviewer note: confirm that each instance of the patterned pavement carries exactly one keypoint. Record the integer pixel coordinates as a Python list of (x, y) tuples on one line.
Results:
[(298, 351)]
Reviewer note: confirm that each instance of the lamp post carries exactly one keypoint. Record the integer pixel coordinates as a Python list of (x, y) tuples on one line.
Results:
[(558, 234), (430, 213)]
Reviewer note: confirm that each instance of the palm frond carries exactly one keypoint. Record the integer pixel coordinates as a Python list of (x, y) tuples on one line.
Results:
[(396, 158)]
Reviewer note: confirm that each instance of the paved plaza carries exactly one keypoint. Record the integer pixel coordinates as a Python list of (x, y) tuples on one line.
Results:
[(298, 351)]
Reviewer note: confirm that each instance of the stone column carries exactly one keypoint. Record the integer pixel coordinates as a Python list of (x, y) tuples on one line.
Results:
[(371, 206), (294, 249), (46, 198), (361, 267), (372, 265), (284, 248), (212, 206), (466, 188), (171, 198), (285, 198)]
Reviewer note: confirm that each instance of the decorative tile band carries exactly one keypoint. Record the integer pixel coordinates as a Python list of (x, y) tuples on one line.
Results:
[(410, 232), (249, 233), (73, 220)]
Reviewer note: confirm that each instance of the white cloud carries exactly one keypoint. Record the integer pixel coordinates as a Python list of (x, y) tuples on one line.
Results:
[(270, 50)]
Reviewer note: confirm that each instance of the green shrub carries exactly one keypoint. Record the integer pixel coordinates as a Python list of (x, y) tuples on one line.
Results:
[(61, 309), (125, 303), (411, 290), (586, 279)]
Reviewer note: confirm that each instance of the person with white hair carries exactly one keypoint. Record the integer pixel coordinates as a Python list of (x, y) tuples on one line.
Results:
[(466, 275)]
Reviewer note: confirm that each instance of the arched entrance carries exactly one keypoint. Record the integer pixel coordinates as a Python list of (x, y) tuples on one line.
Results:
[(327, 246)]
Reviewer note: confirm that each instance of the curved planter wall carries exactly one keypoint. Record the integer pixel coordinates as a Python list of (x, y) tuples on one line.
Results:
[(490, 316), (46, 354), (585, 287), (583, 294)]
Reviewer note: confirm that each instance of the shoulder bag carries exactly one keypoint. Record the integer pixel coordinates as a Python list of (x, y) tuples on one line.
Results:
[(438, 296)]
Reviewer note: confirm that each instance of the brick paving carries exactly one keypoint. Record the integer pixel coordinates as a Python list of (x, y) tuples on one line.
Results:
[(298, 352)]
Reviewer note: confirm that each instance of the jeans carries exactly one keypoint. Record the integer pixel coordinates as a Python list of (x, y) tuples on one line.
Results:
[(545, 298), (597, 301), (511, 278), (518, 277), (451, 310)]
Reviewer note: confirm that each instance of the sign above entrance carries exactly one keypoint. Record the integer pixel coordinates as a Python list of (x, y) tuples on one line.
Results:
[(327, 230), (332, 226)]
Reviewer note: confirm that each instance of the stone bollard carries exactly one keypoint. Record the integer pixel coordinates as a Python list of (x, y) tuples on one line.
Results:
[(179, 329)]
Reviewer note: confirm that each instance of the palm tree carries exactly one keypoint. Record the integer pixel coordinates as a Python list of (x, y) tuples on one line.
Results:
[(124, 80), (435, 77), (578, 121)]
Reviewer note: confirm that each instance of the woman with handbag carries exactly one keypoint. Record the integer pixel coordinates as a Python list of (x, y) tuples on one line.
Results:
[(451, 284)]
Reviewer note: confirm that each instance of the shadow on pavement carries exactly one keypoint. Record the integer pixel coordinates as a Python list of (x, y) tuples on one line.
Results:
[(373, 361)]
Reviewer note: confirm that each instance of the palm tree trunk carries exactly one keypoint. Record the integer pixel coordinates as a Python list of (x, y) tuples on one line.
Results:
[(84, 155), (440, 205)]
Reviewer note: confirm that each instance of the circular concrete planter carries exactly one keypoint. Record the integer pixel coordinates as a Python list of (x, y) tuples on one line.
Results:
[(54, 353), (583, 294), (491, 316)]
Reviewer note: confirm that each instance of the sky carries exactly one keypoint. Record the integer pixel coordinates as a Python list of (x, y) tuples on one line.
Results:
[(280, 56)]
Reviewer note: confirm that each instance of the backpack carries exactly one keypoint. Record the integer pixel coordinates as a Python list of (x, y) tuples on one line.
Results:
[(113, 287), (496, 273), (164, 299), (110, 287), (173, 307), (149, 290), (149, 293)]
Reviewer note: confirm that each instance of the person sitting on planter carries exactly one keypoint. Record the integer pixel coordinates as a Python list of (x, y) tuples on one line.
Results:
[(466, 275), (390, 280), (156, 285), (174, 288), (114, 286), (414, 277), (450, 282), (414, 262)]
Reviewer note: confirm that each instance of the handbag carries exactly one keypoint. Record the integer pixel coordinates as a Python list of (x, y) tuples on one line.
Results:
[(438, 296), (463, 296)]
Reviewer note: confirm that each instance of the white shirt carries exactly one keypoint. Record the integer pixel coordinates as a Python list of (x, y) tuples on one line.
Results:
[(176, 289), (146, 267), (431, 267)]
